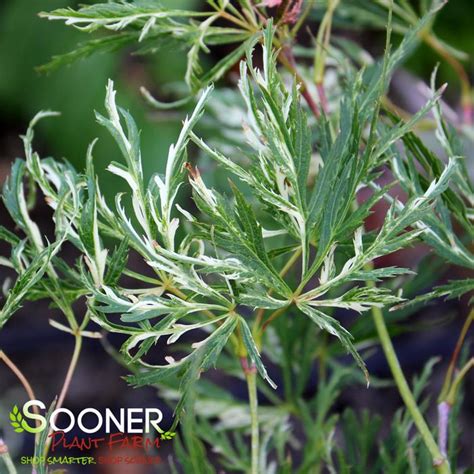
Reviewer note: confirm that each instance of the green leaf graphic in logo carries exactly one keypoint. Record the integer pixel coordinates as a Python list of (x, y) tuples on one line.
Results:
[(168, 435), (17, 421), (16, 418)]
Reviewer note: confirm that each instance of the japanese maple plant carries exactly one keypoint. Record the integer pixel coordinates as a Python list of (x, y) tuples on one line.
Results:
[(254, 272)]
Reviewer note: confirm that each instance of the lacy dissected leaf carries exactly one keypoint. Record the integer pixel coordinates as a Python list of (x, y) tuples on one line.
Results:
[(253, 351), (189, 368), (27, 279), (149, 27), (332, 326)]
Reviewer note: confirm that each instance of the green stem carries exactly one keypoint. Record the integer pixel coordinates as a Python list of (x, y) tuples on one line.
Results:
[(248, 11), (11, 469), (302, 18), (71, 369), (236, 21), (260, 313), (251, 378), (322, 42), (457, 350), (439, 462), (466, 98), (451, 398), (138, 276), (273, 316)]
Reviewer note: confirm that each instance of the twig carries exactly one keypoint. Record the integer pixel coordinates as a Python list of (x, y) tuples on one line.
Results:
[(71, 369), (448, 392), (439, 461), (24, 381), (273, 316), (451, 398), (322, 98), (444, 407), (455, 356), (251, 378), (19, 374), (466, 99), (287, 267), (5, 456), (302, 18), (68, 379), (322, 45), (287, 59)]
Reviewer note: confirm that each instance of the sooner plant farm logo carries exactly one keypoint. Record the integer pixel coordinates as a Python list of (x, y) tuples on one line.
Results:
[(130, 420), (137, 428)]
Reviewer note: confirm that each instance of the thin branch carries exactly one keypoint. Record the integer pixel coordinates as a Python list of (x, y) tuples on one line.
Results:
[(273, 316), (302, 18), (67, 380), (21, 377), (439, 461), (455, 356), (5, 456), (287, 267), (458, 379), (466, 98), (251, 378), (287, 59)]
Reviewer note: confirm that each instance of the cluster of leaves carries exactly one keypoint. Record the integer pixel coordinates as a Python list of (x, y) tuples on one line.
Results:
[(149, 27), (259, 271), (399, 451), (455, 207), (347, 442)]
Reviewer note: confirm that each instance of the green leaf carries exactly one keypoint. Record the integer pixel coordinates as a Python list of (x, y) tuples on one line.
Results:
[(25, 282), (41, 443), (117, 263), (253, 351), (188, 368), (226, 63), (451, 290), (333, 327), (107, 44)]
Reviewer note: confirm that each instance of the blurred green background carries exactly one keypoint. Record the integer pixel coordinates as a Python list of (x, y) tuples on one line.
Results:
[(27, 41)]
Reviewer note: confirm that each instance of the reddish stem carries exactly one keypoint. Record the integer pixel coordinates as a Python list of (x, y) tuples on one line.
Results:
[(323, 98), (311, 103), (287, 59), (248, 369)]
